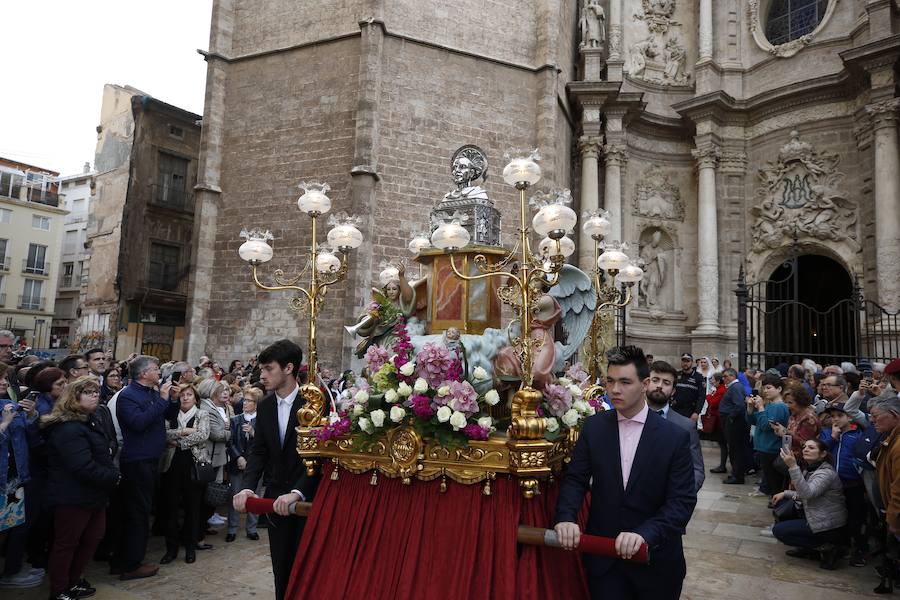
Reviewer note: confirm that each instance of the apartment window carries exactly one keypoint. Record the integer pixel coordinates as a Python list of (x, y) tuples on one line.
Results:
[(4, 259), (176, 132), (70, 243), (37, 259), (68, 272), (31, 294), (2, 291), (5, 215), (171, 180), (164, 261), (39, 222)]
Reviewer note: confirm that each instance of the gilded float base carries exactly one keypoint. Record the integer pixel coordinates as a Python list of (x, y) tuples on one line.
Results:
[(403, 453)]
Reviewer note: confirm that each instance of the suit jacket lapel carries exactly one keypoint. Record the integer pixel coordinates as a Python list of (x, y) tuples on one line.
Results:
[(290, 434), (644, 454), (616, 451)]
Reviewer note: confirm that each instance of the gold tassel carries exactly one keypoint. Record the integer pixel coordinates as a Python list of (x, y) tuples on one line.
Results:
[(487, 487), (374, 480), (334, 474), (443, 484)]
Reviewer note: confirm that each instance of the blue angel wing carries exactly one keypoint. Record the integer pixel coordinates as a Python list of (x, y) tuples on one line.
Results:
[(577, 301)]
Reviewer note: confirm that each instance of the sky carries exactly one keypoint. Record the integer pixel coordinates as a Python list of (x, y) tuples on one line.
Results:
[(58, 54)]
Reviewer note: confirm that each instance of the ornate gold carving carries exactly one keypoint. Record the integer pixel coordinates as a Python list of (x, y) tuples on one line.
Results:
[(526, 424), (311, 413)]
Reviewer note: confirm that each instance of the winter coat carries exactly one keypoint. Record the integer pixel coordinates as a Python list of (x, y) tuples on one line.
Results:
[(81, 470), (195, 442), (219, 432), (15, 440), (822, 494)]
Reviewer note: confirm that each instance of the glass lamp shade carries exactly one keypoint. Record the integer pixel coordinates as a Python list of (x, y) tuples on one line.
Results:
[(554, 217), (548, 247), (612, 259), (345, 235), (522, 170), (450, 236), (389, 273), (418, 244), (597, 226), (630, 274), (327, 262), (314, 202), (256, 250)]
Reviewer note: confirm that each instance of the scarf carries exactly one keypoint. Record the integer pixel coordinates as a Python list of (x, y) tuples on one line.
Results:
[(185, 417), (249, 416)]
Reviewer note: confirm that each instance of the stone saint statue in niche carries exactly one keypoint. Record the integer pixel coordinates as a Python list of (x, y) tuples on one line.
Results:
[(592, 24), (655, 265)]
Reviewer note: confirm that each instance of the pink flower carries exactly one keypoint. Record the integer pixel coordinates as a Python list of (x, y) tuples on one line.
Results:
[(474, 431), (577, 374), (433, 364), (463, 397), (421, 407), (339, 428), (376, 357), (558, 398)]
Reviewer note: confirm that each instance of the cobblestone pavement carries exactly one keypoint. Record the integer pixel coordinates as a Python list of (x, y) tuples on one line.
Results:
[(728, 559)]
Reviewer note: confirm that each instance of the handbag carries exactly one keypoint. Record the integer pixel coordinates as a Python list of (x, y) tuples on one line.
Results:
[(203, 473), (217, 493), (12, 506), (787, 510)]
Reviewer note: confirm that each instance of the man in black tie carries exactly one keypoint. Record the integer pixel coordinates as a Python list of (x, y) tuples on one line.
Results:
[(274, 449)]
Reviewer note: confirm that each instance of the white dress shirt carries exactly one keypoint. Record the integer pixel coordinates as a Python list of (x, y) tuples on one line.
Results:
[(284, 411)]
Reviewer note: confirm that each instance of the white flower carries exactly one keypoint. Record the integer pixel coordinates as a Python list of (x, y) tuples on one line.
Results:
[(570, 418), (492, 397), (485, 422), (408, 369), (564, 381), (444, 390), (391, 396), (581, 406), (404, 390), (362, 396), (397, 414), (365, 425), (552, 425), (421, 386), (377, 417), (458, 420), (345, 394), (575, 390), (479, 374), (358, 409), (444, 413)]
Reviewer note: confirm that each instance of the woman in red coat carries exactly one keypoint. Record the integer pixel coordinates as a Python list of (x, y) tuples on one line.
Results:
[(712, 424)]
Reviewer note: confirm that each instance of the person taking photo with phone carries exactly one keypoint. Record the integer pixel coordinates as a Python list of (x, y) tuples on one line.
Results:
[(764, 411)]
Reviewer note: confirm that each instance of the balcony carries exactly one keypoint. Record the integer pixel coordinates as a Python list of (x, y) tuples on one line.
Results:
[(76, 218), (31, 267), (67, 281), (20, 191), (31, 303), (173, 198), (5, 263)]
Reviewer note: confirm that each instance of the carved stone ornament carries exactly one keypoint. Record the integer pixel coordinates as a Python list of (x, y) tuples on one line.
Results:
[(788, 49), (660, 57), (656, 197), (798, 198)]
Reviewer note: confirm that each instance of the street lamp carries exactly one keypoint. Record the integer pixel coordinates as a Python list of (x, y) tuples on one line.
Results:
[(325, 268)]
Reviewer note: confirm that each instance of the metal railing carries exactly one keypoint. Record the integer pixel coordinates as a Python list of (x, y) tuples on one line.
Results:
[(66, 281), (31, 303), (35, 268), (170, 197)]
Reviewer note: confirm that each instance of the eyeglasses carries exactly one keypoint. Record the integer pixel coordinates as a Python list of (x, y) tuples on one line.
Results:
[(829, 384)]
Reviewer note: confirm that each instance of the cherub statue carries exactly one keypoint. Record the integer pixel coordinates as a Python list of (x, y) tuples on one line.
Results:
[(452, 339), (395, 301)]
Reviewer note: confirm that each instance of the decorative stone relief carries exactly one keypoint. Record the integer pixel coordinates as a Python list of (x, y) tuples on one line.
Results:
[(883, 113), (656, 197), (798, 197), (786, 50), (660, 57), (615, 154)]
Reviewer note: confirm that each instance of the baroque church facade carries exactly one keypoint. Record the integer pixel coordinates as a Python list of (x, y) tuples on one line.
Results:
[(722, 135)]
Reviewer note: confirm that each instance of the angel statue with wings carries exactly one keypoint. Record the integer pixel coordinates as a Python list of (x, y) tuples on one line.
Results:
[(395, 301), (573, 301)]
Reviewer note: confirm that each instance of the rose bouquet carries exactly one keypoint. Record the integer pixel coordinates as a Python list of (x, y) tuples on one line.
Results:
[(564, 407), (428, 391)]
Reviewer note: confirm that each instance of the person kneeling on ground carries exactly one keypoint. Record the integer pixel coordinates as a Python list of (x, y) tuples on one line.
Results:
[(819, 488)]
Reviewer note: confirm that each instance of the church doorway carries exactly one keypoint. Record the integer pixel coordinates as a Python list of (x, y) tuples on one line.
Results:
[(806, 309)]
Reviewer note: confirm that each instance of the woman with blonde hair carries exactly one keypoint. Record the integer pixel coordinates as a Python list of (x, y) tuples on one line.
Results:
[(186, 437), (81, 475), (215, 399)]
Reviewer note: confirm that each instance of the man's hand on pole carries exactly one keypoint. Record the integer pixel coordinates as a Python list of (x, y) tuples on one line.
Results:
[(568, 534), (283, 503), (240, 500)]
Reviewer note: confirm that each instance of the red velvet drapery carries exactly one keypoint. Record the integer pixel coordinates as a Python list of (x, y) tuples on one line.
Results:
[(401, 542)]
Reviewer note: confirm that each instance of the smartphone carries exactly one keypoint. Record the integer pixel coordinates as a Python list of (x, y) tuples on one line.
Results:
[(786, 441)]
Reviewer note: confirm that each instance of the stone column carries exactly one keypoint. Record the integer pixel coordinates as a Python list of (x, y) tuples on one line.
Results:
[(887, 206), (616, 157), (615, 62), (706, 30), (589, 147), (707, 242)]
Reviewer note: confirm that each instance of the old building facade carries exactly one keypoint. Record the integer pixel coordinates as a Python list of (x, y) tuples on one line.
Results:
[(722, 135), (140, 226)]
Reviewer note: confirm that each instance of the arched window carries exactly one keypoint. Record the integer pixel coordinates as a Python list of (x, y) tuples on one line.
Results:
[(791, 19)]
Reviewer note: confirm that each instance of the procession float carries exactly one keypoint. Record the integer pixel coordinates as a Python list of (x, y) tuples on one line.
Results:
[(457, 428)]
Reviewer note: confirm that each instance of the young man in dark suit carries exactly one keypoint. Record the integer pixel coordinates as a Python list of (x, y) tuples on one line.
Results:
[(638, 468), (274, 449)]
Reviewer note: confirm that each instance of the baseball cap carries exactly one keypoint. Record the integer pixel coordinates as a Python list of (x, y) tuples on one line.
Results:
[(690, 356), (893, 367)]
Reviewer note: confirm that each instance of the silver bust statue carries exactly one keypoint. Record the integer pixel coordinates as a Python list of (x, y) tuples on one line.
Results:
[(469, 200)]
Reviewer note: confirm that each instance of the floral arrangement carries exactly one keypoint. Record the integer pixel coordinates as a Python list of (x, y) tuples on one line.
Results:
[(428, 391), (564, 405), (382, 308)]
